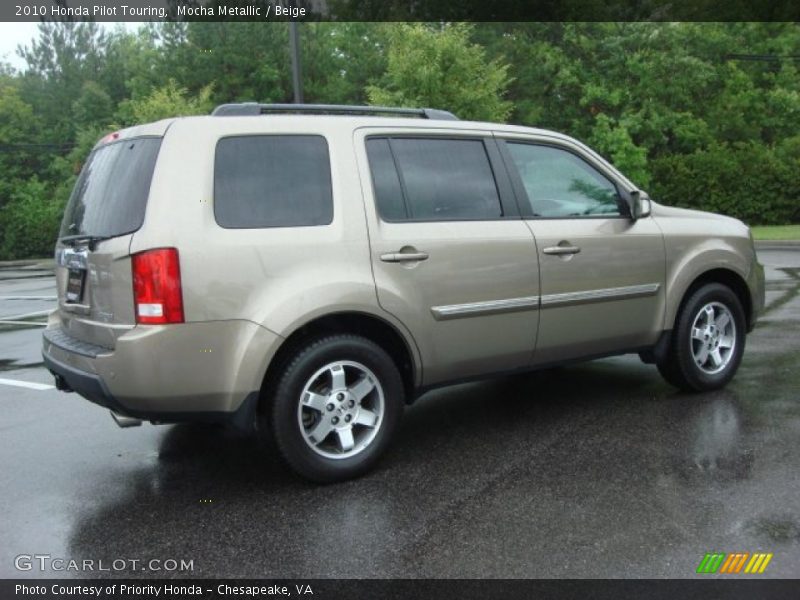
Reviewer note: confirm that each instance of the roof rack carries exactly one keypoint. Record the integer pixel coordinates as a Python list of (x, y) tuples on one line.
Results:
[(243, 109)]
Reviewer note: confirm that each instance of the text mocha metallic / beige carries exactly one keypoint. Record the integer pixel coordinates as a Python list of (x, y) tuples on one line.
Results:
[(306, 270)]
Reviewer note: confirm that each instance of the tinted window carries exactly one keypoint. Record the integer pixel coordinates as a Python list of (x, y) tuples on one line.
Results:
[(560, 184), (439, 179), (272, 181), (388, 191), (110, 196)]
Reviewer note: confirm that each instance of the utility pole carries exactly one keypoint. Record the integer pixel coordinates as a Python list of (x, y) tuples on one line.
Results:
[(294, 50)]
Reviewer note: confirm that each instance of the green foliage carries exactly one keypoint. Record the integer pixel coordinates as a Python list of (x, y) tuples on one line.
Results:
[(165, 102), (340, 60), (614, 140), (442, 69), (18, 131), (665, 102), (744, 180), (244, 61), (93, 106), (29, 222), (64, 57)]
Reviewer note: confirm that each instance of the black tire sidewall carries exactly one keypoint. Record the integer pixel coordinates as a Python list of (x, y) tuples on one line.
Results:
[(694, 377), (306, 361)]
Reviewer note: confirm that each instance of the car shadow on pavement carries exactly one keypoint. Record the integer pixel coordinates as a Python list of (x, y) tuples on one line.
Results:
[(215, 493)]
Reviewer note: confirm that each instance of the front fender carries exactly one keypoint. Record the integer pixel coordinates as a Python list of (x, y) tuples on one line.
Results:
[(696, 259)]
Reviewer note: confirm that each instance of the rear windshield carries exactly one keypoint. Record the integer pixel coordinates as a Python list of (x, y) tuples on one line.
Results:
[(110, 195)]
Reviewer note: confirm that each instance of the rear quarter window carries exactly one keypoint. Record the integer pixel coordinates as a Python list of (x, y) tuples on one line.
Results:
[(272, 181), (110, 196)]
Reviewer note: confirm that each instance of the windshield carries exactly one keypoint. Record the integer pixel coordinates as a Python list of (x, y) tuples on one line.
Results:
[(110, 195)]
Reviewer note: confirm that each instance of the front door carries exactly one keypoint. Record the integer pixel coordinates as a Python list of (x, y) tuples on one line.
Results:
[(602, 273)]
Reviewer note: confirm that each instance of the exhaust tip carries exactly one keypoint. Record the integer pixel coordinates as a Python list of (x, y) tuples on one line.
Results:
[(61, 384), (124, 421)]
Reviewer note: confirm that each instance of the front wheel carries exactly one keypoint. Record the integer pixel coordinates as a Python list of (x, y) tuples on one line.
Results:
[(707, 341), (336, 407)]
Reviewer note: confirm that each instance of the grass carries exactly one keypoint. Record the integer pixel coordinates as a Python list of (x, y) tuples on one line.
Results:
[(776, 232)]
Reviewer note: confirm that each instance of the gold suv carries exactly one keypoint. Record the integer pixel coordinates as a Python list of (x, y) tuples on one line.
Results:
[(307, 270)]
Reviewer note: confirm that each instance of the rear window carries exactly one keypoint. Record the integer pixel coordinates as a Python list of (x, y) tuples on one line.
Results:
[(110, 195), (272, 181)]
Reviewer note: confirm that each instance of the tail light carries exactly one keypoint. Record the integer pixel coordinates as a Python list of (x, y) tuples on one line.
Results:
[(157, 295)]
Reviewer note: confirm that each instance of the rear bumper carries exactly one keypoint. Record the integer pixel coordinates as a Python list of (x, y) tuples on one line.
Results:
[(189, 372), (94, 389), (86, 384)]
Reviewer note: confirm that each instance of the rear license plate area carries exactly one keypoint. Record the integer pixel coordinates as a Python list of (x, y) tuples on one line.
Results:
[(75, 280)]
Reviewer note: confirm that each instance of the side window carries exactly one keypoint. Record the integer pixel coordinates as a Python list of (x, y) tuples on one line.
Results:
[(560, 184), (433, 179), (272, 181)]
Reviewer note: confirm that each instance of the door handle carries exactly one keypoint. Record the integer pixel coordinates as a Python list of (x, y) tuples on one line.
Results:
[(396, 257), (561, 250)]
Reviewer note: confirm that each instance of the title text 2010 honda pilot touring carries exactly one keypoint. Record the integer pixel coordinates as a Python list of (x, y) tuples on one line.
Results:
[(307, 270)]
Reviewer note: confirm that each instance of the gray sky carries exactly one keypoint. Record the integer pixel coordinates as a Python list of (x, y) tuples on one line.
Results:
[(13, 34)]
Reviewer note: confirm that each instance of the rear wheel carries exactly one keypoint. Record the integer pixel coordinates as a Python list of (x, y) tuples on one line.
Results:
[(707, 341), (336, 407)]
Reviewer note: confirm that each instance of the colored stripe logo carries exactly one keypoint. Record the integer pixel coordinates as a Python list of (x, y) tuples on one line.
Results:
[(734, 563)]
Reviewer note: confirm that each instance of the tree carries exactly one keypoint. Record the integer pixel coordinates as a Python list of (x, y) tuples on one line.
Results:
[(93, 106), (243, 61), (442, 69), (18, 138), (60, 61), (30, 221), (165, 102), (340, 60)]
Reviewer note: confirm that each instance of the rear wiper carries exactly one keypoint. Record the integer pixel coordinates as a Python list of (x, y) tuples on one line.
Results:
[(73, 240)]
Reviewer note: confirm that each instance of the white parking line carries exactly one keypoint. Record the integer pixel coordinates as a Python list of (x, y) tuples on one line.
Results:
[(34, 323), (26, 384), (38, 313)]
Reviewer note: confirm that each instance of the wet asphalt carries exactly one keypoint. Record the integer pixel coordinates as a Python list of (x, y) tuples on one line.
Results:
[(595, 470)]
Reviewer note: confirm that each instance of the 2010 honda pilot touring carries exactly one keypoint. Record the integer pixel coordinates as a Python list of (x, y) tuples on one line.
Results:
[(307, 270)]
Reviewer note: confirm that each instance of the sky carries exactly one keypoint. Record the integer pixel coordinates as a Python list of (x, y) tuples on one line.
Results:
[(13, 34)]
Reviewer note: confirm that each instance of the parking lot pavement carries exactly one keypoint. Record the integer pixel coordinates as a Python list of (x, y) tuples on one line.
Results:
[(595, 470)]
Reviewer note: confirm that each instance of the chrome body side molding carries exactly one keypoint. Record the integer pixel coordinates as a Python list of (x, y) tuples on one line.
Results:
[(474, 309), (618, 293)]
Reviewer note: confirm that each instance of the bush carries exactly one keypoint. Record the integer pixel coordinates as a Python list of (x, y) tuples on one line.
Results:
[(29, 222), (749, 181)]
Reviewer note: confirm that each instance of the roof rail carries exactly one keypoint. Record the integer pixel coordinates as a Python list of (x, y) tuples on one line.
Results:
[(242, 109)]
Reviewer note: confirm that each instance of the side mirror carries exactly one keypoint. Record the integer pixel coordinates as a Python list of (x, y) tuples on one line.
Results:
[(639, 204)]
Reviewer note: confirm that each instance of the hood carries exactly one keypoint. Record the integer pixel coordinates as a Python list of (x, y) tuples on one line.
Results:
[(715, 223)]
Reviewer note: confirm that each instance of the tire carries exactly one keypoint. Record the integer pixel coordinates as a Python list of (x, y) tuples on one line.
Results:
[(707, 341), (331, 386)]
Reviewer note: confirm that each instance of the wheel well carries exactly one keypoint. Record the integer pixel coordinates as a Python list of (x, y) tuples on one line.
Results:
[(373, 328), (729, 279)]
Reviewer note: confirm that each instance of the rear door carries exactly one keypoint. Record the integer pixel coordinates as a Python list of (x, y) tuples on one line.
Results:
[(93, 269), (602, 273), (451, 257)]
